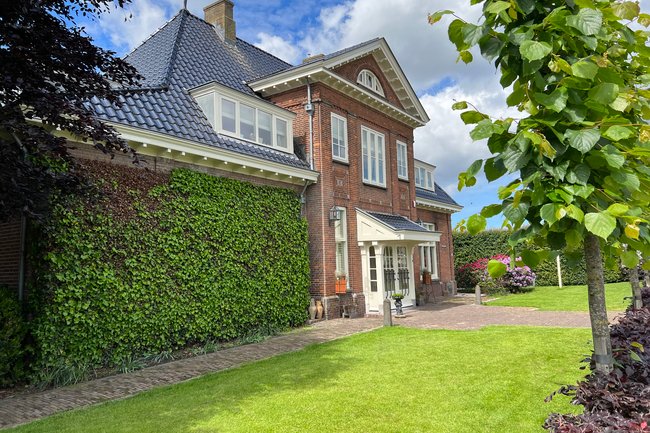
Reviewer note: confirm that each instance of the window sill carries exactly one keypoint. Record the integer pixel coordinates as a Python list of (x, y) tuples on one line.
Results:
[(404, 179), (341, 161), (374, 185)]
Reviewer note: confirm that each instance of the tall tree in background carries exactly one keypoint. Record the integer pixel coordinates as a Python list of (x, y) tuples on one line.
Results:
[(49, 68), (579, 75)]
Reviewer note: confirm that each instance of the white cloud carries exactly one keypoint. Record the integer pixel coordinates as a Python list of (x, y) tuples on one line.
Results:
[(279, 47)]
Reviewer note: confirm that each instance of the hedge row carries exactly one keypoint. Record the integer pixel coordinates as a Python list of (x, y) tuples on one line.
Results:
[(469, 248), (159, 266)]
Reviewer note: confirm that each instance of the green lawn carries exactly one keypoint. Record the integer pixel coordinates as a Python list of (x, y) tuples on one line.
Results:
[(390, 380), (568, 298)]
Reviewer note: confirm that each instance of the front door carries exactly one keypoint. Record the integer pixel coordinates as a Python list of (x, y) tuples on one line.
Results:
[(397, 278)]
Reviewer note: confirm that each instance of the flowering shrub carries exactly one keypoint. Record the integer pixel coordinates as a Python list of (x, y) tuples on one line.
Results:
[(515, 280)]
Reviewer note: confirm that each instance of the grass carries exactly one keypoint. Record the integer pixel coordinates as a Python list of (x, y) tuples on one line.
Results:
[(568, 298), (389, 380)]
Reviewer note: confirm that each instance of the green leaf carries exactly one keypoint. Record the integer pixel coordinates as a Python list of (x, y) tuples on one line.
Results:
[(472, 34), (472, 117), (485, 129), (613, 156), (476, 224), (514, 158), (525, 6), (460, 105), (496, 268), (583, 140), (580, 174), (618, 133), (617, 209), (550, 213), (626, 10), (437, 16), (491, 210), (638, 345), (584, 69), (498, 6), (600, 224), (574, 212), (494, 169), (516, 214), (556, 101), (604, 93), (644, 20), (630, 259), (465, 56), (455, 33), (587, 21), (531, 258), (632, 231), (635, 357), (534, 50)]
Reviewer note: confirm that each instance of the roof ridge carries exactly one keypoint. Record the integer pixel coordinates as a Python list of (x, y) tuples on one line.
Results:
[(172, 58), (153, 34)]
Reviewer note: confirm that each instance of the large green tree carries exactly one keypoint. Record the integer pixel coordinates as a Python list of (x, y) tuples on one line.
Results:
[(578, 73), (48, 70)]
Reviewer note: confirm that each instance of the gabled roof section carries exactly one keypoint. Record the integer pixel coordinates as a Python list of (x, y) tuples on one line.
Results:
[(321, 69), (438, 199), (183, 54), (378, 227)]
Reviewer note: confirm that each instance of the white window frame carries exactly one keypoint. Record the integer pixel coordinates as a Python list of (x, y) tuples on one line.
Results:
[(424, 177), (429, 255), (367, 156), (369, 80), (341, 243), (402, 161), (341, 121), (220, 93)]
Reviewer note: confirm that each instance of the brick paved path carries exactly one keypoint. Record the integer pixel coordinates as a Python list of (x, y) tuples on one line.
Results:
[(452, 314)]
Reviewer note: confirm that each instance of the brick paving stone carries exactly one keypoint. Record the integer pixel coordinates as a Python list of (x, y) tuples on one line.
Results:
[(454, 313)]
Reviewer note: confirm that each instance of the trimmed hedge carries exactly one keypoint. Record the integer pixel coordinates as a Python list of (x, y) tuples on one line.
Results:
[(164, 263), (469, 248)]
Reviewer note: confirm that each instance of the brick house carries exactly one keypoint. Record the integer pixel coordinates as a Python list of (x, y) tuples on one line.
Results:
[(336, 129)]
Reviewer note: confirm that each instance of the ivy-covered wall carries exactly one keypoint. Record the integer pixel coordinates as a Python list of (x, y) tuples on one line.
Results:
[(468, 248), (164, 261)]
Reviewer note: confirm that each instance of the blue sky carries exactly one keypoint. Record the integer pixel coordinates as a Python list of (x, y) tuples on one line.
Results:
[(294, 29)]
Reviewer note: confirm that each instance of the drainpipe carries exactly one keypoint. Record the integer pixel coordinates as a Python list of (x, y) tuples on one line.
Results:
[(303, 198), (309, 108)]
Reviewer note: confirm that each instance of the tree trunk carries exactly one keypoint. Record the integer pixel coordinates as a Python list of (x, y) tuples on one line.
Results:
[(637, 302), (597, 308)]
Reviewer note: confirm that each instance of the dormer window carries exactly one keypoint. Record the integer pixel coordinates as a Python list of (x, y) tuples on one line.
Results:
[(370, 80), (424, 176), (242, 116)]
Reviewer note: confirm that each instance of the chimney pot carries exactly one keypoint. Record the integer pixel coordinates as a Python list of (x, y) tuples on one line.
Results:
[(220, 13)]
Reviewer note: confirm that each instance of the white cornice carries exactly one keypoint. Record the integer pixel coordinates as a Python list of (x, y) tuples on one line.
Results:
[(288, 79), (150, 143), (445, 207)]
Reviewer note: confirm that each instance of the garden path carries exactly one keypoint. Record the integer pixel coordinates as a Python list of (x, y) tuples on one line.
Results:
[(453, 313)]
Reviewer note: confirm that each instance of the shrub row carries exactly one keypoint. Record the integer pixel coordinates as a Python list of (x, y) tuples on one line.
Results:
[(619, 401), (469, 248), (163, 264)]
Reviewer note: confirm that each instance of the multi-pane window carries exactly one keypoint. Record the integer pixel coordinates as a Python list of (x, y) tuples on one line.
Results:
[(428, 256), (264, 127), (281, 133), (373, 269), (402, 164), (370, 80), (340, 237), (424, 178), (244, 120), (372, 154), (339, 138)]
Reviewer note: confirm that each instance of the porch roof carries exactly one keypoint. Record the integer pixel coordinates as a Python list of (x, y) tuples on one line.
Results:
[(381, 227)]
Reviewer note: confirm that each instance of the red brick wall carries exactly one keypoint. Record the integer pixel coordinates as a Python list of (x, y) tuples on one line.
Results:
[(341, 184), (444, 250), (10, 253), (351, 72)]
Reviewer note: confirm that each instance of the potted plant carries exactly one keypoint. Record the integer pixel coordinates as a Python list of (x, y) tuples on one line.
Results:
[(426, 277), (341, 282), (397, 298)]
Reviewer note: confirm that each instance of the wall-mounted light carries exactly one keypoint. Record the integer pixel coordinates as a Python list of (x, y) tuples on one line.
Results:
[(335, 214)]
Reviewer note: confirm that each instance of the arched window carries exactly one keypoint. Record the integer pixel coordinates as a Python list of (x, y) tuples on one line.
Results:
[(370, 80)]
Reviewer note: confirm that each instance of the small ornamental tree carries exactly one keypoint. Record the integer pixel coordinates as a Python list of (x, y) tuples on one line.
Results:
[(578, 73)]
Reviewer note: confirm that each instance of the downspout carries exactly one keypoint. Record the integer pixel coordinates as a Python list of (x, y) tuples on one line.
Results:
[(309, 108), (303, 198)]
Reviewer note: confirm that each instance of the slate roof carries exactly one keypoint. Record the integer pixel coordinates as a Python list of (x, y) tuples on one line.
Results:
[(185, 53), (397, 222), (439, 195)]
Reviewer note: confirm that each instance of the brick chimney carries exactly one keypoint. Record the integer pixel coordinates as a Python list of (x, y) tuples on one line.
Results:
[(220, 14)]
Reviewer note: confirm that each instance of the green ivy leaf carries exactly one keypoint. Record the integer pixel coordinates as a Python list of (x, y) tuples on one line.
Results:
[(534, 50), (600, 224)]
